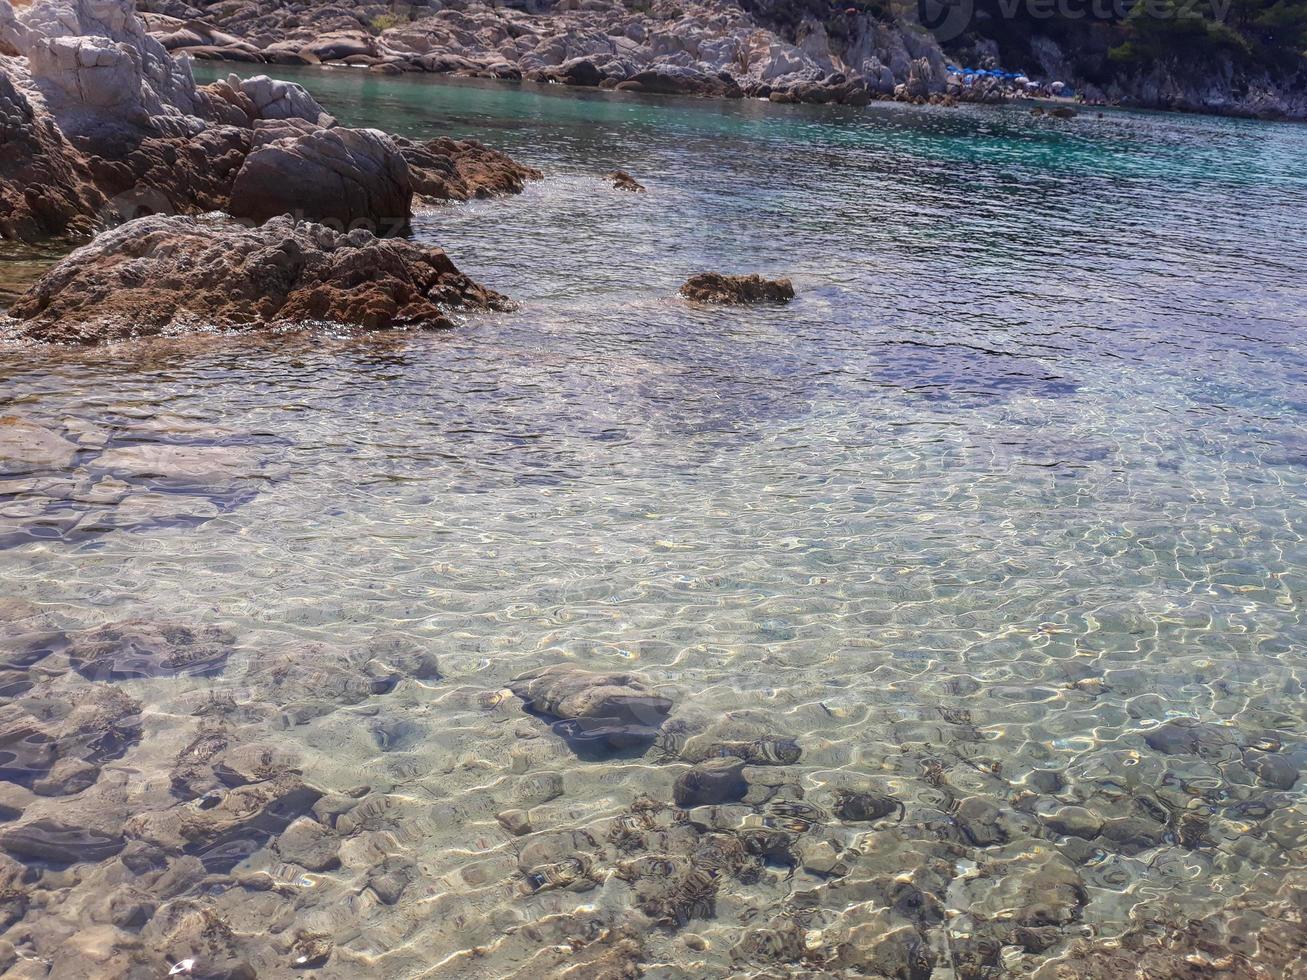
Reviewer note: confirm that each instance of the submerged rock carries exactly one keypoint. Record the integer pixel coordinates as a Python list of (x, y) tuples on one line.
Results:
[(859, 807), (26, 447), (612, 710), (712, 287), (1185, 736), (169, 275), (94, 725), (224, 828), (60, 843), (711, 782), (139, 648)]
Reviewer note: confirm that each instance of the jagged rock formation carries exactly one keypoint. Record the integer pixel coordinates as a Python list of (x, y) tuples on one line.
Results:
[(101, 125), (801, 50), (46, 187), (168, 274), (706, 48)]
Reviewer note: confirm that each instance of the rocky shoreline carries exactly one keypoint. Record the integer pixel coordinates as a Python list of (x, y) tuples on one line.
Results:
[(787, 51), (704, 49), (101, 125)]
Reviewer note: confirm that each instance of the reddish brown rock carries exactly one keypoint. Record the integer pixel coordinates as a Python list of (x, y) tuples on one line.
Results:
[(623, 181), (459, 170), (46, 188), (713, 287), (170, 275)]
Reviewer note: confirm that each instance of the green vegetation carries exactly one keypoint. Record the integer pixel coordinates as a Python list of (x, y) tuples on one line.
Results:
[(384, 22)]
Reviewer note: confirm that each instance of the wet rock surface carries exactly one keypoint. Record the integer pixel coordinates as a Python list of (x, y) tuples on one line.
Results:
[(139, 649), (623, 181), (606, 711), (713, 287), (169, 275), (461, 170)]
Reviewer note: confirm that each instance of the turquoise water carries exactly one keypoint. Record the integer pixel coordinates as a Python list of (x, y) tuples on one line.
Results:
[(1019, 478)]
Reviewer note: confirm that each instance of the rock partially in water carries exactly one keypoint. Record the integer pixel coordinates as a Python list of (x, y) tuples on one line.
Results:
[(46, 187), (138, 648), (459, 170), (170, 275), (623, 181), (589, 708), (713, 287), (60, 843)]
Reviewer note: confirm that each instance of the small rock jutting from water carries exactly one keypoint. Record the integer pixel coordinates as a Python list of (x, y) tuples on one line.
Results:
[(587, 708), (625, 182), (713, 287), (165, 275)]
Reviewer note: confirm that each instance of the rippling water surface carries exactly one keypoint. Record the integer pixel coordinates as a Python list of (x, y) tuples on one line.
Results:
[(1010, 497)]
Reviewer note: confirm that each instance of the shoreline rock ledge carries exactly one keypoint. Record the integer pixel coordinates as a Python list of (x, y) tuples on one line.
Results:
[(166, 275), (99, 124)]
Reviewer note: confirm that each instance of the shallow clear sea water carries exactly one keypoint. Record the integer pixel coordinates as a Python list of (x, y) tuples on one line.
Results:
[(1020, 476)]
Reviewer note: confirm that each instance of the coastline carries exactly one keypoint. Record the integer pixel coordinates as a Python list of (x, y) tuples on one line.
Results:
[(789, 52)]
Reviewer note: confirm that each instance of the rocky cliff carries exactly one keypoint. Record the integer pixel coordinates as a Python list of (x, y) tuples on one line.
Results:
[(794, 50)]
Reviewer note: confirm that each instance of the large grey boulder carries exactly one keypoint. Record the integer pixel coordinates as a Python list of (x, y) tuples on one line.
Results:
[(348, 177)]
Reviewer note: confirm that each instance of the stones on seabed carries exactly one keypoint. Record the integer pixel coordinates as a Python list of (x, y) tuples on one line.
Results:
[(60, 843), (623, 181), (309, 844), (516, 822), (859, 807), (1273, 770), (979, 820), (137, 648), (1074, 821), (711, 782), (609, 710), (1186, 736), (26, 447), (94, 725), (311, 950), (713, 287), (768, 750)]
